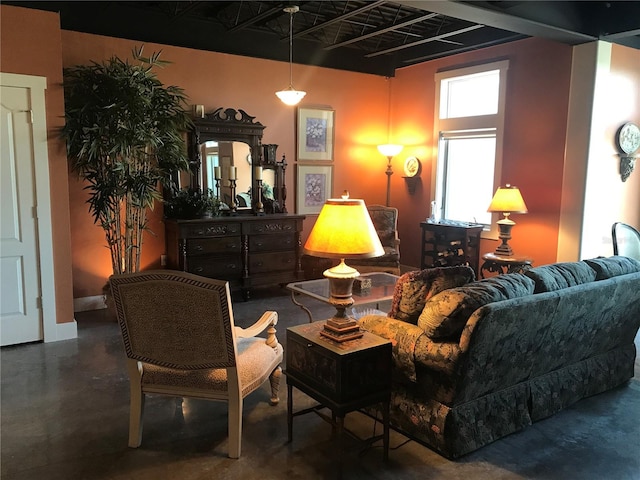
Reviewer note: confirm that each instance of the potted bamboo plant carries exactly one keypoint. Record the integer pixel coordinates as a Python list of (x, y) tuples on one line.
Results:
[(124, 133)]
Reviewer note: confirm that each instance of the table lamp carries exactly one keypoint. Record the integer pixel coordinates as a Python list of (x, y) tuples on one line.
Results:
[(507, 200), (343, 230)]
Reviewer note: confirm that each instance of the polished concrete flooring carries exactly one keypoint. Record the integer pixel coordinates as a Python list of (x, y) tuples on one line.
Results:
[(65, 417)]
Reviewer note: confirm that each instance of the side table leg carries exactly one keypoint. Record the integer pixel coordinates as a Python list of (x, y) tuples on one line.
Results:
[(289, 413), (385, 434)]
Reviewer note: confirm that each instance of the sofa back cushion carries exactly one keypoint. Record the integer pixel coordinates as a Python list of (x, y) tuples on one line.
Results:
[(549, 278), (445, 314), (613, 266), (413, 289)]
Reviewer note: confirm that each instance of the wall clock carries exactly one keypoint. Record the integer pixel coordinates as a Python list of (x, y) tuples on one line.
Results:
[(411, 167), (629, 138)]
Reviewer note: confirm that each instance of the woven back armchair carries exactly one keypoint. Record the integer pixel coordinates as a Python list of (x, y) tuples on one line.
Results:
[(180, 340)]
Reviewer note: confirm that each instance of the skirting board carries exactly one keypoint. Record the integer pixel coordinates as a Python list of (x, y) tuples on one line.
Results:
[(84, 304)]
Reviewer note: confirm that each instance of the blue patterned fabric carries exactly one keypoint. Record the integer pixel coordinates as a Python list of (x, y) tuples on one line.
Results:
[(557, 276), (613, 266), (516, 360)]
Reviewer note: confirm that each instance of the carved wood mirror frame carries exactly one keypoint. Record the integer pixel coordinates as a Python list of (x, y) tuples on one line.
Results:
[(232, 125)]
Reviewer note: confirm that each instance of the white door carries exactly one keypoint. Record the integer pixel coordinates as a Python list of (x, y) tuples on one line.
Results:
[(20, 299)]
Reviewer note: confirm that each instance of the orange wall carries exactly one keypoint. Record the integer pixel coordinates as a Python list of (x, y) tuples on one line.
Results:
[(534, 140), (30, 45), (537, 100), (220, 80)]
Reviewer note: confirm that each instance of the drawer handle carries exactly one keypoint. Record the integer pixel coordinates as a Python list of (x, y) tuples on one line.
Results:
[(259, 244), (199, 248), (232, 246), (198, 269), (309, 345)]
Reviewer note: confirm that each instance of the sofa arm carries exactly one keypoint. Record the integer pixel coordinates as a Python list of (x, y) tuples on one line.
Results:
[(403, 336)]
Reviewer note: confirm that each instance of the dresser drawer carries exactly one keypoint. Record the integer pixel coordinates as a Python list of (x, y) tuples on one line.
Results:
[(272, 226), (203, 246), (270, 243), (212, 229), (271, 262), (216, 267)]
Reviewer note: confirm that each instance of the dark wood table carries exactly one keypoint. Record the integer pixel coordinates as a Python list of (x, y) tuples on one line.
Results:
[(501, 264), (342, 377)]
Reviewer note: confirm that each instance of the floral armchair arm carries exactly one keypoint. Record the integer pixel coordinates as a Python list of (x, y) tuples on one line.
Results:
[(404, 337)]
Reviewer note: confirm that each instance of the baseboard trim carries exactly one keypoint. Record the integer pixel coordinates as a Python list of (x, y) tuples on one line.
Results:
[(84, 304), (64, 331)]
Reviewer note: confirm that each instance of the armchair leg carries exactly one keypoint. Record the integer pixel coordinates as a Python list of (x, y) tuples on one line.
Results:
[(274, 379), (235, 427), (136, 412)]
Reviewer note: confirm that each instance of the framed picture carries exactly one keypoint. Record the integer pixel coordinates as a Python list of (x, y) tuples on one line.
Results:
[(314, 186), (315, 134)]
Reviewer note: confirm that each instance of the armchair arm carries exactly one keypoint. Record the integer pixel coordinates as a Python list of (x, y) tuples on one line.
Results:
[(403, 335), (268, 320)]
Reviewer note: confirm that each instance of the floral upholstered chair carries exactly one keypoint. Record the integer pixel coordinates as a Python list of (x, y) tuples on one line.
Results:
[(180, 340), (385, 221)]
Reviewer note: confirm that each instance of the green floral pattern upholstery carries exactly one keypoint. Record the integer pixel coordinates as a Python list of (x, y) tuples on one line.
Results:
[(413, 289), (517, 359)]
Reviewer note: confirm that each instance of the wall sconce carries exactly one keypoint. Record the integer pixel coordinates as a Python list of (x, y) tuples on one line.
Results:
[(507, 200), (412, 169), (389, 150), (628, 140)]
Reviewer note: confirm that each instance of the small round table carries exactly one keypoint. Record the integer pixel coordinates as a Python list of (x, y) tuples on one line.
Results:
[(501, 264)]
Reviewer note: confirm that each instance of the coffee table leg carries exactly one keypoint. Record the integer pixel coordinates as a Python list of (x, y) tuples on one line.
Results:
[(293, 299)]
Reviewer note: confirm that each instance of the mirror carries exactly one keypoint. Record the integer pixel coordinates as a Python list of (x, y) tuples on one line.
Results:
[(217, 157), (225, 146)]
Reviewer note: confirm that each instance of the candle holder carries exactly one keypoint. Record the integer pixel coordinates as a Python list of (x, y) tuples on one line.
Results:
[(217, 188), (259, 207), (233, 208)]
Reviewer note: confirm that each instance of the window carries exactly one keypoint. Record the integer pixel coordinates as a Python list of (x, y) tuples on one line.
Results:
[(469, 125)]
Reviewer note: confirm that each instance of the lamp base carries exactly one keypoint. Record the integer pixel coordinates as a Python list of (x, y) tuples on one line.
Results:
[(504, 249), (341, 327)]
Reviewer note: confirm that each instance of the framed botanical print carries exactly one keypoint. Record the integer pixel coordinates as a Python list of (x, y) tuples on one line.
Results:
[(314, 186), (315, 134)]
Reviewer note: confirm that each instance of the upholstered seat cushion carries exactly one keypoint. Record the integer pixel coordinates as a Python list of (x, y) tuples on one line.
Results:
[(549, 278), (413, 289), (256, 361), (613, 266), (445, 314)]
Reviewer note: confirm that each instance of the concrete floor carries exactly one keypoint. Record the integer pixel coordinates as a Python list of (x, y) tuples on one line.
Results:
[(65, 417)]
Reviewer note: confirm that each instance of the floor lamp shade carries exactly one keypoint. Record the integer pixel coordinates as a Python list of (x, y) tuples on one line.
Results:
[(506, 200), (343, 230)]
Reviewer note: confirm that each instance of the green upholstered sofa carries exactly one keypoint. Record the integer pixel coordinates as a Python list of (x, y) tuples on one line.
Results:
[(477, 360)]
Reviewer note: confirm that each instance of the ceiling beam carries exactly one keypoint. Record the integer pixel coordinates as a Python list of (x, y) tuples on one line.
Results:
[(503, 21), (382, 30)]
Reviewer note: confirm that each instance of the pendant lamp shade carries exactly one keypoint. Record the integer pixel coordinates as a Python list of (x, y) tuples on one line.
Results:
[(291, 96)]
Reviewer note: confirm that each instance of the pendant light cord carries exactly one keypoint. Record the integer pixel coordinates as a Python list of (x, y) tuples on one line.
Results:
[(291, 49)]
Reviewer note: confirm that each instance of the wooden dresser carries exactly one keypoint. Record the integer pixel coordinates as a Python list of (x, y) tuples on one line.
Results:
[(248, 251)]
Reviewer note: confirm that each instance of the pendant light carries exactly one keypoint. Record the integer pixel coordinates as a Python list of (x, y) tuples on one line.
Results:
[(291, 96)]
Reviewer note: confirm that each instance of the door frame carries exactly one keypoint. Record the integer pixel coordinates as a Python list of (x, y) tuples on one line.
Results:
[(52, 331)]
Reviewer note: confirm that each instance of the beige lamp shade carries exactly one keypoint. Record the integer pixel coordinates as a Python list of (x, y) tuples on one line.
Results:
[(390, 149), (508, 199), (344, 230)]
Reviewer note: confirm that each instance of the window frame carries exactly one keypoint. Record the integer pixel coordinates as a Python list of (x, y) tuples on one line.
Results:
[(469, 125)]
